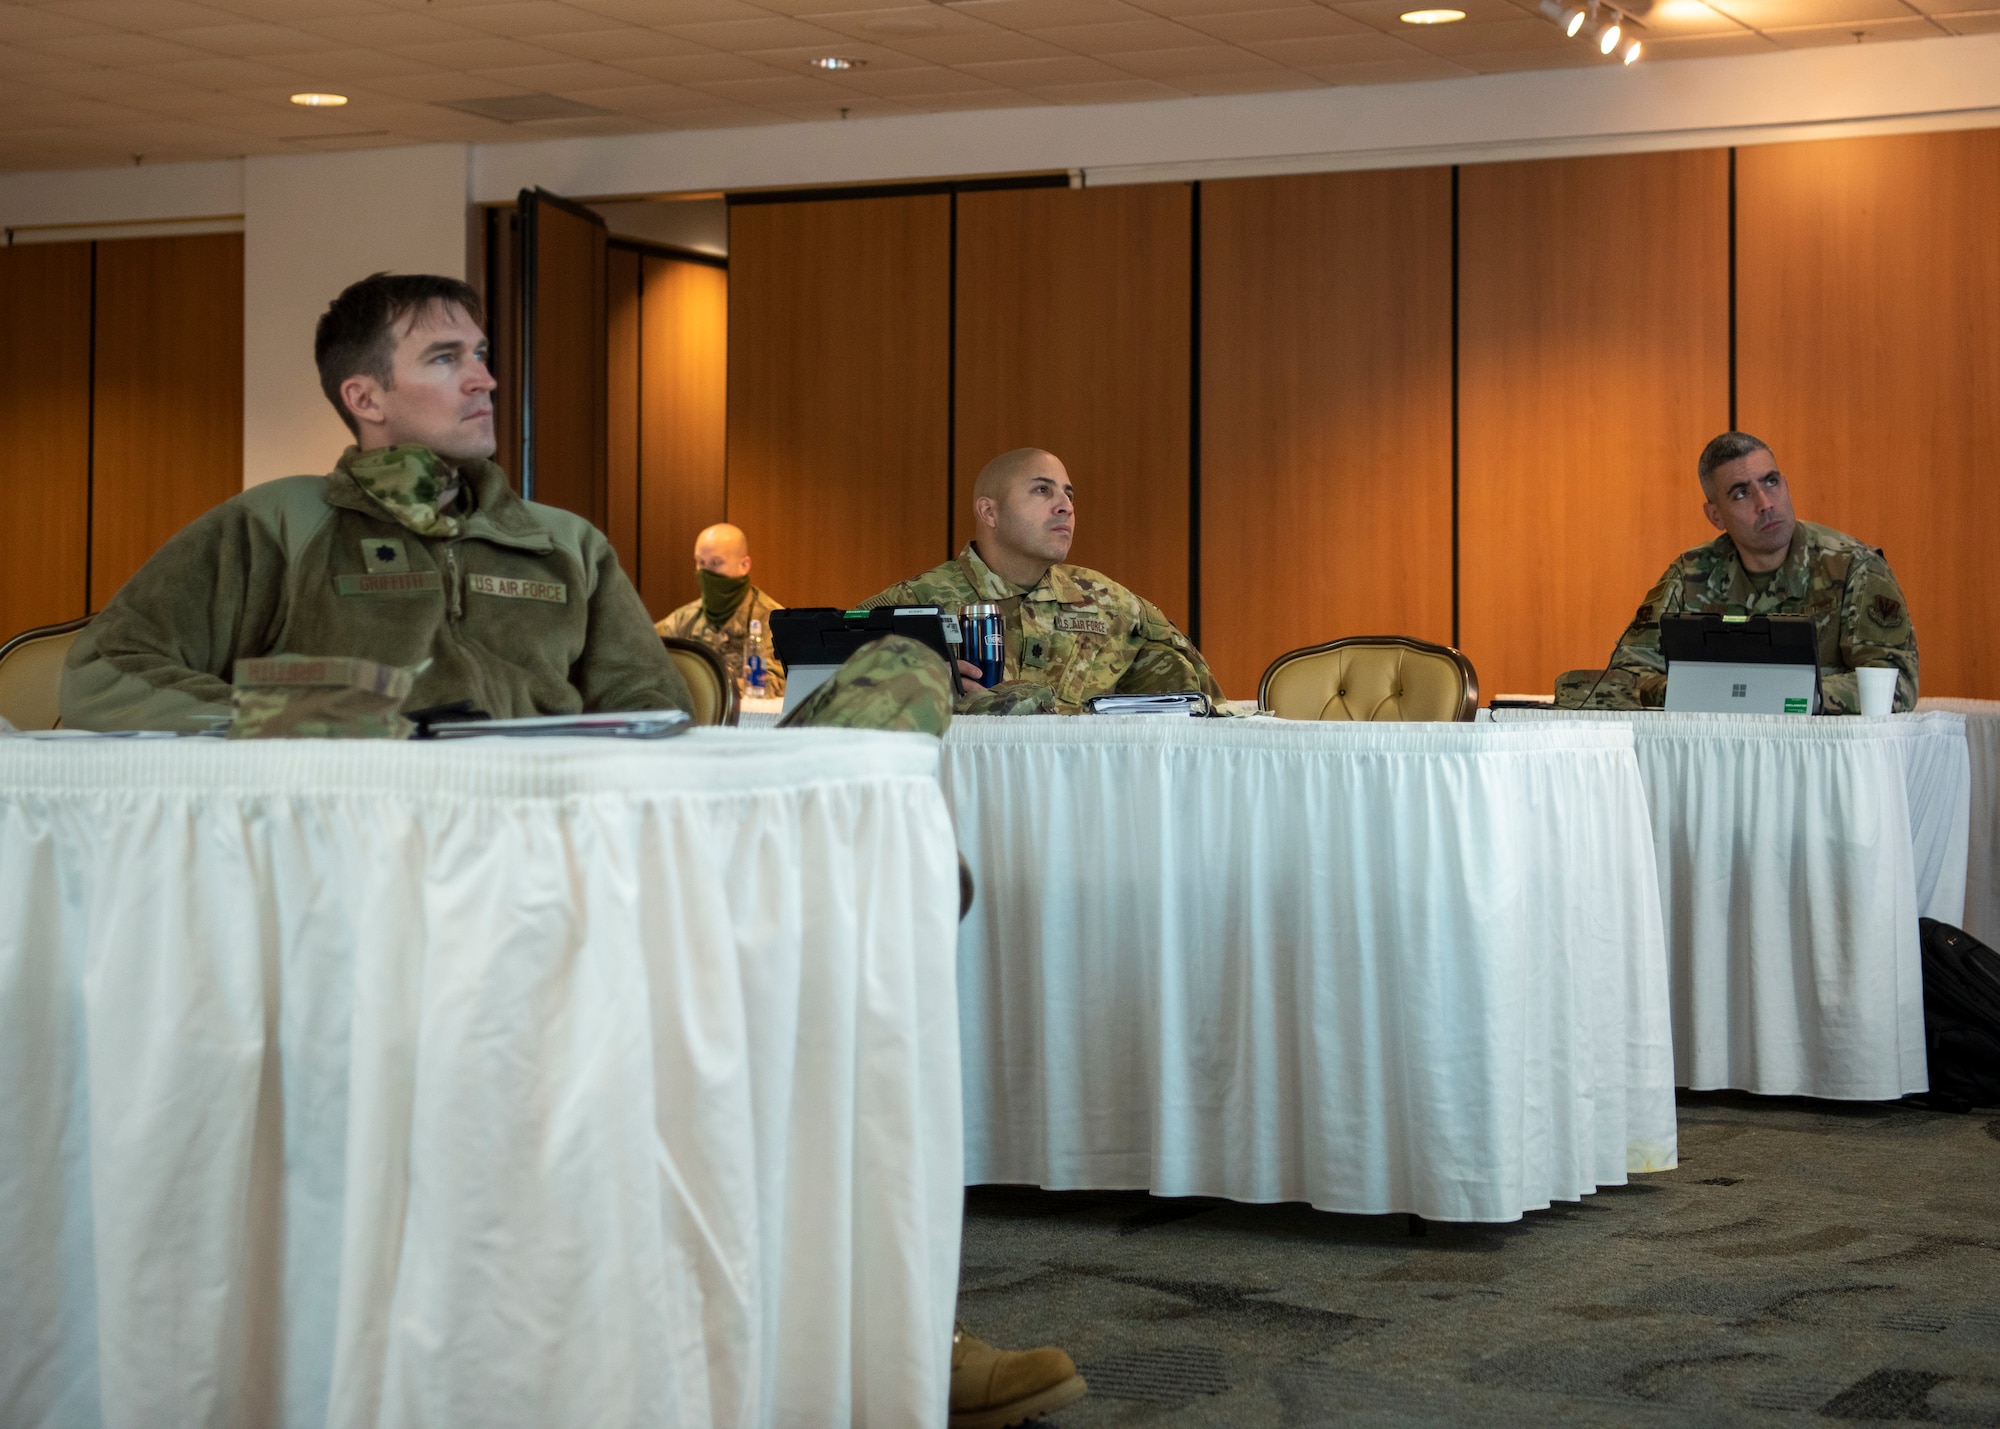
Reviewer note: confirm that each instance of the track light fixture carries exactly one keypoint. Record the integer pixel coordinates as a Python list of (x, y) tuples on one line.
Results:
[(1602, 22)]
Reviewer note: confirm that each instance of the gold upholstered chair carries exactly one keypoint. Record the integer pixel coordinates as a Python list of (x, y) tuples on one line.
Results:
[(1371, 677), (707, 679), (31, 674)]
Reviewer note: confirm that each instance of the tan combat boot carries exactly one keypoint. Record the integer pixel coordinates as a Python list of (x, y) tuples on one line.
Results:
[(991, 1389)]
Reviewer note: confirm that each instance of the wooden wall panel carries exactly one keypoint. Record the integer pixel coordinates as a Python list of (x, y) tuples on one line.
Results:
[(1868, 356), (621, 406), (169, 394), (1325, 413), (684, 425), (1594, 364), (1073, 336), (45, 413), (567, 425), (839, 326)]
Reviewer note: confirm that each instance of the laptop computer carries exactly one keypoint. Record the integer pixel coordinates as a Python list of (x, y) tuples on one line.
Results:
[(1741, 664), (815, 640)]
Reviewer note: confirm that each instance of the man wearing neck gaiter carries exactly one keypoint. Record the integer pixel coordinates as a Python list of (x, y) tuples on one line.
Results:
[(721, 618), (414, 552)]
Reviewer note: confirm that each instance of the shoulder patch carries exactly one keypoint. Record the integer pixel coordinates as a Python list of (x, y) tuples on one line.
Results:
[(1888, 609)]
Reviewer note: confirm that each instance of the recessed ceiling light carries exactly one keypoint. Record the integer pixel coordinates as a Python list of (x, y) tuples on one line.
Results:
[(837, 62), (320, 101), (1431, 17)]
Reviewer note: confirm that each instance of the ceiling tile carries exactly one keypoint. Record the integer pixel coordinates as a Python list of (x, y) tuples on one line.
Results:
[(288, 11), (921, 80), (1127, 91), (1045, 14), (562, 78), (19, 23), (1412, 71), (112, 84), (1515, 61), (800, 60), (1040, 74), (1338, 50), (15, 60), (1295, 22), (986, 45), (1954, 7), (1792, 14), (525, 19), (223, 72), (627, 42), (1187, 11), (773, 32), (253, 38), (1503, 37), (775, 89), (490, 53), (1984, 22), (387, 31), (646, 100), (1386, 15), (1176, 65), (681, 12), (1686, 17), (115, 47), (699, 69), (151, 16), (446, 86), (983, 99), (359, 66), (1263, 81), (1142, 34), (1857, 32), (1676, 47)]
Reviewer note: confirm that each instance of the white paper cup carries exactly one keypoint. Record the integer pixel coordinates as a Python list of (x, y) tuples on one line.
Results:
[(1878, 688)]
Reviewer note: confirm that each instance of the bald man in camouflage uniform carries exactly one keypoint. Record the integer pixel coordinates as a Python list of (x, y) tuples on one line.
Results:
[(1070, 634), (1766, 562)]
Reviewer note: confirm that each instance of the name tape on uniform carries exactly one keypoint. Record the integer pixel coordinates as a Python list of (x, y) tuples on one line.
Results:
[(555, 592), (1090, 624), (389, 583)]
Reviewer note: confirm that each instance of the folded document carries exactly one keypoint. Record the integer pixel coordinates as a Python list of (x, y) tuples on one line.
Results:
[(1187, 702)]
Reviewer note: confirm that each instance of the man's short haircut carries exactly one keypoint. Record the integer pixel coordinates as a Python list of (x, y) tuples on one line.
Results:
[(357, 332), (1723, 450), (997, 475)]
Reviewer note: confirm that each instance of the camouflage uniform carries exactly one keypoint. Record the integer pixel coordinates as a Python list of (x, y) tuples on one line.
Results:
[(1072, 636), (298, 697), (1845, 586), (731, 638), (893, 683)]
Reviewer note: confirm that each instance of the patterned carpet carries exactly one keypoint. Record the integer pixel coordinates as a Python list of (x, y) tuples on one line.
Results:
[(1809, 1260)]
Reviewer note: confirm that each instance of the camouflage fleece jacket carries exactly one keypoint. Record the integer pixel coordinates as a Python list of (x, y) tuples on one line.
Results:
[(521, 609), (731, 639), (1845, 586), (1076, 633)]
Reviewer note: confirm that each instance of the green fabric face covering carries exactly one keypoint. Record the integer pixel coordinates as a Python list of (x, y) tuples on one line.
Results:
[(408, 482), (720, 595)]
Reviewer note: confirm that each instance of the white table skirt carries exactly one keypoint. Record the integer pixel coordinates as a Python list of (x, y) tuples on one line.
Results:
[(1787, 852), (486, 1084), (1982, 880), (1374, 968)]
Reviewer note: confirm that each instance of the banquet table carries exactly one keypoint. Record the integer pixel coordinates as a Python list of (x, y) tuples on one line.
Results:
[(498, 1082), (1415, 968), (1795, 857), (1982, 878)]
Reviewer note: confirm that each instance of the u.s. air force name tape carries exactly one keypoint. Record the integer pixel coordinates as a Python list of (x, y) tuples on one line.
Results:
[(389, 583), (555, 592)]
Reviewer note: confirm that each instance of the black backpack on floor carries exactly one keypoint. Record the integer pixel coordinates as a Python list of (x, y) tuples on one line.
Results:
[(1961, 1016)]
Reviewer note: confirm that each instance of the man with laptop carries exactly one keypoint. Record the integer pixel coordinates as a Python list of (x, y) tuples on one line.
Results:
[(1766, 563)]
